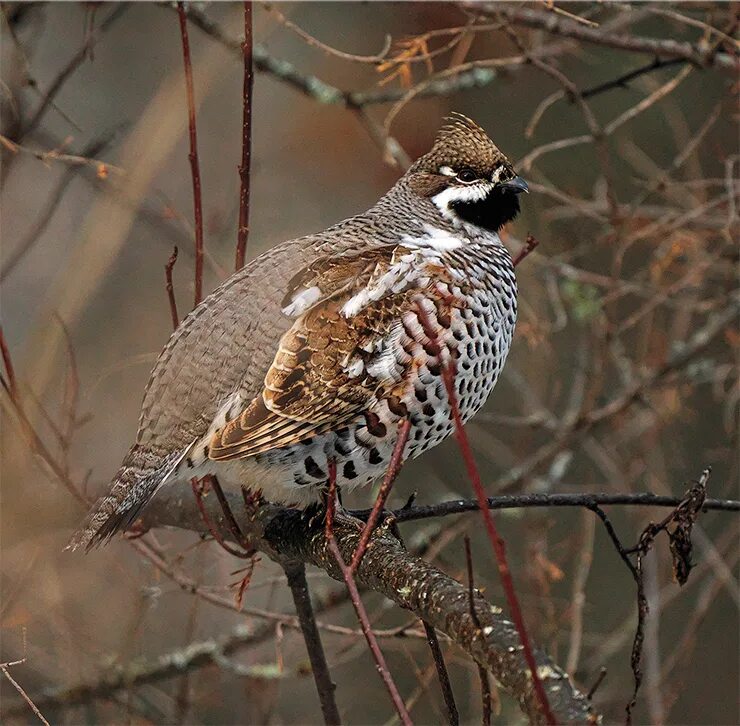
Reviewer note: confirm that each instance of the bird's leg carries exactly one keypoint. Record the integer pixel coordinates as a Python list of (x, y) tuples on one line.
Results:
[(315, 514)]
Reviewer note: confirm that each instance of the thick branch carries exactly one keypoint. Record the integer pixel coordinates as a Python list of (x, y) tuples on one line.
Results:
[(409, 581)]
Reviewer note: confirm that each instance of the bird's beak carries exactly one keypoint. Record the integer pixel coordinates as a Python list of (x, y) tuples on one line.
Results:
[(516, 185)]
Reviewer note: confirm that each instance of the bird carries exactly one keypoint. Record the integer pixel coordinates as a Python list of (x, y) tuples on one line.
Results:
[(320, 347)]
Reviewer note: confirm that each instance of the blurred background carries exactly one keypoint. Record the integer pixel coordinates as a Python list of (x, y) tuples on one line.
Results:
[(622, 377)]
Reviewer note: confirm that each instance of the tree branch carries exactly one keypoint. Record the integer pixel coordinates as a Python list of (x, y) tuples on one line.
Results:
[(410, 582), (296, 574), (324, 93), (193, 155), (526, 501), (243, 228), (533, 17)]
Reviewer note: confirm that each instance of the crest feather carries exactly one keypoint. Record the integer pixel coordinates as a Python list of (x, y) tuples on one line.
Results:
[(460, 128)]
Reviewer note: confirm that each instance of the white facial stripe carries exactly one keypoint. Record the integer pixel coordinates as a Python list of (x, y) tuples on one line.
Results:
[(446, 170), (472, 193), (497, 174)]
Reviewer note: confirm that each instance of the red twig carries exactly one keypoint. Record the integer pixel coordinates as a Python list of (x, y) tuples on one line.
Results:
[(198, 486), (499, 548), (331, 502), (193, 155), (354, 594), (243, 583), (243, 231), (8, 363), (170, 288), (529, 245), (394, 466)]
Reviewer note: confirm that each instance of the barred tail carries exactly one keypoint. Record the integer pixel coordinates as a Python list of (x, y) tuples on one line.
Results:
[(131, 489)]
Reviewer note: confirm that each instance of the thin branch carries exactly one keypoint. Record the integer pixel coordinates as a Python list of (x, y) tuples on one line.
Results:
[(448, 377), (286, 72), (296, 574), (625, 78), (72, 65), (171, 289), (316, 43), (199, 489), (564, 27), (349, 580), (444, 678), (526, 501), (599, 680), (191, 657), (84, 158), (247, 89), (394, 466), (530, 244), (578, 596), (193, 155), (26, 698)]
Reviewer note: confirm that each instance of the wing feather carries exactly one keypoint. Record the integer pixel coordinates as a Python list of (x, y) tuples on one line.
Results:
[(322, 376)]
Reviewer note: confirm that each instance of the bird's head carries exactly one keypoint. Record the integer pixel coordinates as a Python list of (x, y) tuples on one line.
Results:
[(467, 178)]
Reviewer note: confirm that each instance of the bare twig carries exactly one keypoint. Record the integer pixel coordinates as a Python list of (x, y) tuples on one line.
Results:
[(72, 65), (448, 376), (170, 288), (578, 597), (599, 680), (199, 490), (625, 78), (529, 246), (84, 158), (296, 574), (193, 155), (316, 43), (26, 698), (567, 28), (444, 678), (247, 86), (394, 466), (349, 580), (526, 501), (464, 78), (683, 517), (5, 668)]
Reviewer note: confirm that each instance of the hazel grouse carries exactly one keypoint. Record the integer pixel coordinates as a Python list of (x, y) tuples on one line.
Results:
[(318, 348)]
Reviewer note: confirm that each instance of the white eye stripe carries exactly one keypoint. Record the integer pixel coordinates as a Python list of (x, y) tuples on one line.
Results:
[(497, 174), (447, 171)]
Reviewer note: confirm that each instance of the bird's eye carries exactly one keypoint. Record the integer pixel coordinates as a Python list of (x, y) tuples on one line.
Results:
[(467, 175)]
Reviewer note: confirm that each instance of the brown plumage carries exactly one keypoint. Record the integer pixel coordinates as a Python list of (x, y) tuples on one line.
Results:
[(315, 348)]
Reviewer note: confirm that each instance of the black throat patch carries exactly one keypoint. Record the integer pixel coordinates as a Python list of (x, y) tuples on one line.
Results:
[(492, 212)]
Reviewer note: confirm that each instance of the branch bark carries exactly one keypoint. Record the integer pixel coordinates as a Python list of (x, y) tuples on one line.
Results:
[(412, 583)]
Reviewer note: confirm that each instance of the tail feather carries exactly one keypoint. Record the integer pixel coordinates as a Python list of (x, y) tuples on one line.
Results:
[(133, 486)]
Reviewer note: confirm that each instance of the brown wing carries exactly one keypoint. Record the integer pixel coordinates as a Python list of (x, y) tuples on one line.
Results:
[(319, 378)]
